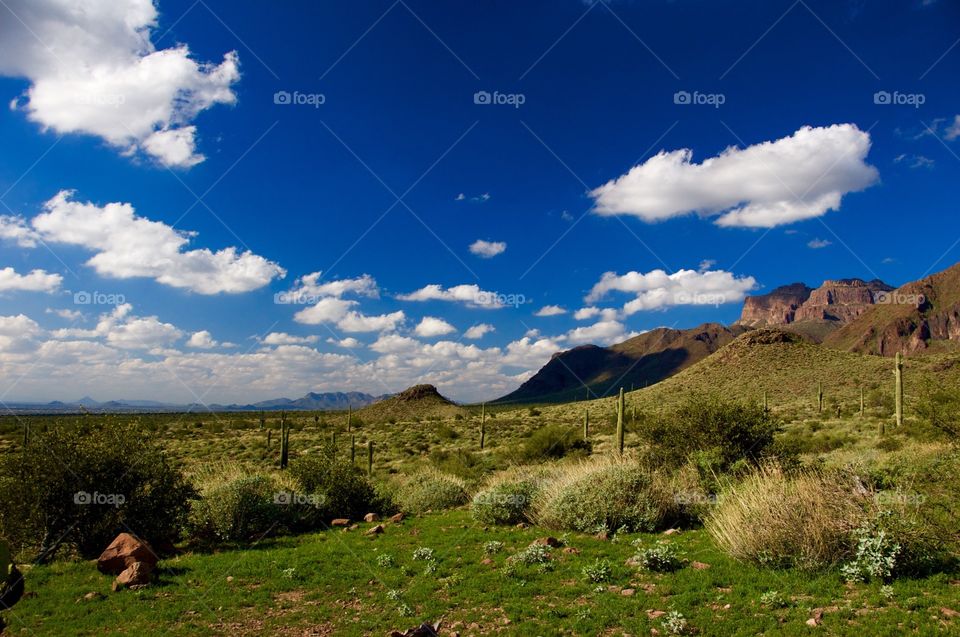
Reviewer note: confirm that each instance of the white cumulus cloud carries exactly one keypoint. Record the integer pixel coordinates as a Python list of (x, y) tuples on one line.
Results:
[(468, 294), (550, 310), (479, 331), (94, 70), (488, 249), (282, 338), (657, 289), (202, 340), (127, 246), (33, 281), (431, 326), (765, 185)]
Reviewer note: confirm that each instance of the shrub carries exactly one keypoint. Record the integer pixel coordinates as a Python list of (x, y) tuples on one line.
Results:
[(239, 509), (554, 441), (804, 520), (598, 572), (82, 485), (431, 491), (507, 497), (724, 432), (337, 484), (609, 492), (662, 558), (533, 554)]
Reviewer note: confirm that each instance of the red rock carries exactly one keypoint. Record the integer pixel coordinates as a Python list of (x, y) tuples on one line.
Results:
[(547, 541), (371, 517), (656, 614), (486, 561), (700, 566), (949, 612), (628, 592), (671, 531), (396, 518), (375, 530), (137, 575), (569, 550), (125, 550), (340, 522)]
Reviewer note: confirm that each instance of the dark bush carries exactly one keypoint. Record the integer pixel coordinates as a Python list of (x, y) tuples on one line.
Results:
[(82, 485), (343, 490), (722, 433), (554, 441)]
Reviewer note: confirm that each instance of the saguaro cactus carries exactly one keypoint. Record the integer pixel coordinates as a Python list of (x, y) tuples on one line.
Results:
[(284, 441), (586, 424), (620, 409), (483, 424), (369, 457), (26, 434), (263, 421), (820, 397), (766, 406), (269, 436), (353, 448), (898, 375), (349, 417)]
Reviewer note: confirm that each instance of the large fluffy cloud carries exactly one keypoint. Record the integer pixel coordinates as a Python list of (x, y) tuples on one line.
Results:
[(33, 281), (128, 246), (93, 69), (765, 185), (657, 289), (431, 326), (469, 294)]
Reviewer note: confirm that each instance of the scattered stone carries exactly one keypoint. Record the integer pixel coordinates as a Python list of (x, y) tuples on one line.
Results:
[(376, 530), (628, 592), (423, 630), (92, 595), (700, 566), (949, 612), (552, 542), (812, 622), (522, 525), (340, 522), (229, 578), (817, 617), (671, 531), (656, 614), (124, 551), (602, 535), (371, 517), (135, 576), (570, 550), (352, 527), (632, 562), (396, 518), (486, 561)]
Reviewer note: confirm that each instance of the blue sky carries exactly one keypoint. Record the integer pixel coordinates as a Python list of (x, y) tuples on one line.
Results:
[(830, 132)]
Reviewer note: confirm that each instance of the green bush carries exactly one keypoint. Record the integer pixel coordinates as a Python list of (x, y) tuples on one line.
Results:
[(505, 503), (431, 491), (727, 434), (82, 485), (237, 510), (608, 493), (554, 441), (341, 487)]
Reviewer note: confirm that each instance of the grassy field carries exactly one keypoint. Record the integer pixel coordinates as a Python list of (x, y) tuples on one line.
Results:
[(340, 583)]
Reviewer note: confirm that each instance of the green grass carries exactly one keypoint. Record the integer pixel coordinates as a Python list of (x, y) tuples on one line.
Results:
[(337, 586)]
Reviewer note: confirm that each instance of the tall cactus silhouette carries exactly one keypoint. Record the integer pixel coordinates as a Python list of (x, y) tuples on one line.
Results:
[(586, 423), (284, 440), (349, 417), (620, 410), (820, 397), (898, 376), (369, 457), (353, 448), (483, 424)]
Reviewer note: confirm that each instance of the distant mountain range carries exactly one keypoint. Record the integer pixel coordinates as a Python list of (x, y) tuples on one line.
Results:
[(331, 401), (868, 317)]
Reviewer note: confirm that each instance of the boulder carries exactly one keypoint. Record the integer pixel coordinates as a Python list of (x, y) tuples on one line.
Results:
[(135, 576), (125, 550), (340, 522), (375, 530), (552, 542), (371, 517), (397, 518)]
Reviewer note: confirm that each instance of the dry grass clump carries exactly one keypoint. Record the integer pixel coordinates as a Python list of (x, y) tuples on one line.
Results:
[(507, 497), (608, 492), (806, 519)]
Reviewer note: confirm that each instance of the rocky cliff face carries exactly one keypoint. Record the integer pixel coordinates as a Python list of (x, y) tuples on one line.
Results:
[(776, 308), (840, 302)]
